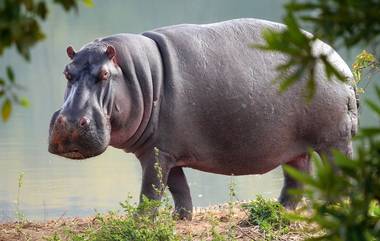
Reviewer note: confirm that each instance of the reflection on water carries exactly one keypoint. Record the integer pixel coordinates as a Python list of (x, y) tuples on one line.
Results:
[(54, 186)]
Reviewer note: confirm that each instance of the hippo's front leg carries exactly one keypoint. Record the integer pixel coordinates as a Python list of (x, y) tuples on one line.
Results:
[(181, 193), (159, 170), (156, 166)]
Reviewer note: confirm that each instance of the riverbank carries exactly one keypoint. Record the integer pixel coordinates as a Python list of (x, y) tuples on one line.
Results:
[(224, 222)]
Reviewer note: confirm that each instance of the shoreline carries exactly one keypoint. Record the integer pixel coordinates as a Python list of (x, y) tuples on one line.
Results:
[(221, 219)]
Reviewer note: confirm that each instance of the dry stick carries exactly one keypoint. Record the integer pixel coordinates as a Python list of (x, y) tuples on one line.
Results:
[(246, 233), (61, 217)]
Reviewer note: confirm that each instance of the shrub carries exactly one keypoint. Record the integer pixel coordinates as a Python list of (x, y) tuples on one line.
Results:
[(269, 215)]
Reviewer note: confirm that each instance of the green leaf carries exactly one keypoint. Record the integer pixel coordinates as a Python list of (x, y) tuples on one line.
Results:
[(299, 176), (288, 81), (2, 82), (343, 161), (24, 102), (377, 89), (88, 3), (6, 109), (67, 4), (370, 131), (10, 74), (310, 86), (297, 37), (42, 10), (331, 70)]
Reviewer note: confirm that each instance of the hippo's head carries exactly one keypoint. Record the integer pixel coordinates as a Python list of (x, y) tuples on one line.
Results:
[(81, 127)]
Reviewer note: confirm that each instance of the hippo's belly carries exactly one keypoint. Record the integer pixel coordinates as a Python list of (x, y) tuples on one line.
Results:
[(238, 167), (233, 156), (222, 113)]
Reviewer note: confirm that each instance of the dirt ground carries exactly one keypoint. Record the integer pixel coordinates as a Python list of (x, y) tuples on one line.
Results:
[(205, 221)]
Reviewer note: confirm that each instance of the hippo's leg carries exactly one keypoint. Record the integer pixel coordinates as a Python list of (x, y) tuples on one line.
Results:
[(181, 193), (301, 163), (155, 172)]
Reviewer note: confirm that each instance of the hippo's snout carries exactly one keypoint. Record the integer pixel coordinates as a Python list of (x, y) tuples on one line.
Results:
[(76, 138), (83, 122)]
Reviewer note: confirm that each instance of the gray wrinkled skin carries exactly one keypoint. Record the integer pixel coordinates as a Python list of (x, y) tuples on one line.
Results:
[(206, 100)]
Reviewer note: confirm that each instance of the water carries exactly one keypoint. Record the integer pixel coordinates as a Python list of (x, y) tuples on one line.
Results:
[(54, 186)]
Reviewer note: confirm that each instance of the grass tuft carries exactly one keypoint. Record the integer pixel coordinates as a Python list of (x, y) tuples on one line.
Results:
[(135, 224), (270, 216)]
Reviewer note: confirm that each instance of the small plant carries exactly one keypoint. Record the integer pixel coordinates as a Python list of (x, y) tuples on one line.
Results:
[(215, 233), (232, 195), (161, 187), (231, 205), (269, 215), (130, 226), (20, 216)]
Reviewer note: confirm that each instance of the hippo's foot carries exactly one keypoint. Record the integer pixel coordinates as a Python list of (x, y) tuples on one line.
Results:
[(302, 164), (181, 194), (289, 202), (182, 214)]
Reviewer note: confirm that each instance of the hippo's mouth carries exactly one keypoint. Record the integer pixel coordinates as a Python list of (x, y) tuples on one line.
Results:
[(73, 155)]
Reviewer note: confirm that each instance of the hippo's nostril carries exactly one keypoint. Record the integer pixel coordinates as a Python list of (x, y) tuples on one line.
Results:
[(84, 121), (61, 120)]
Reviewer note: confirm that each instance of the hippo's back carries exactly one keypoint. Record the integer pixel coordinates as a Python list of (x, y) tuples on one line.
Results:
[(219, 103)]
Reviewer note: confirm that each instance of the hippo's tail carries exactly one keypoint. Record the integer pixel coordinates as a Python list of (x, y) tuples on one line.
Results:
[(357, 98)]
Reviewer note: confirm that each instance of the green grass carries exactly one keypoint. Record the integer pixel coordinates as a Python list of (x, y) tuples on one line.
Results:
[(133, 224), (270, 216), (141, 224), (153, 221)]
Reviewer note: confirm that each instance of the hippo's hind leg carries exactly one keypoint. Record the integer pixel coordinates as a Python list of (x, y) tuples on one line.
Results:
[(301, 163), (181, 193)]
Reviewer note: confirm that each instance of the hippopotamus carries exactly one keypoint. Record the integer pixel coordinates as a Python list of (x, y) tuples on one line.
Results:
[(199, 96)]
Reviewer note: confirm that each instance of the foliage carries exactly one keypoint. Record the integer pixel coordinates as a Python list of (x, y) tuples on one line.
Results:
[(8, 92), (345, 197), (343, 22), (132, 226), (269, 215), (302, 60), (20, 28), (364, 62), (340, 23), (211, 224)]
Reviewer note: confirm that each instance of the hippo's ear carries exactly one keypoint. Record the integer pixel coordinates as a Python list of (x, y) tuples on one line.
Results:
[(111, 52), (70, 52)]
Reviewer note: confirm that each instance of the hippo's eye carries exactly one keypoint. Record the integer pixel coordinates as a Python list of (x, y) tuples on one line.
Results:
[(104, 75)]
